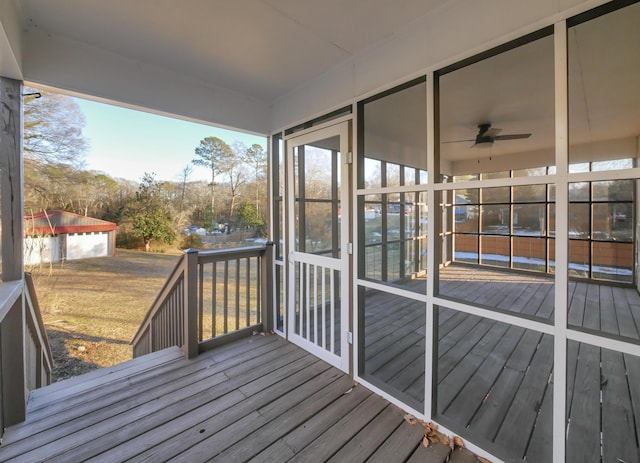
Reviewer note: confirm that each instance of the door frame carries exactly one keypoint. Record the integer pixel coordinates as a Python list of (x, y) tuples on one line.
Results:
[(342, 128)]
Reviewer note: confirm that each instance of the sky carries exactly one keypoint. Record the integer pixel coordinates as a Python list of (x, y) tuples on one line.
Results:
[(124, 143)]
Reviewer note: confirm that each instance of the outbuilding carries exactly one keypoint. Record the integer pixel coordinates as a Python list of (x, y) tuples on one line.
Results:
[(52, 236)]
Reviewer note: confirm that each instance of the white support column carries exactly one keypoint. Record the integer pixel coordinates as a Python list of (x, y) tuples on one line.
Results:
[(562, 242), (433, 247)]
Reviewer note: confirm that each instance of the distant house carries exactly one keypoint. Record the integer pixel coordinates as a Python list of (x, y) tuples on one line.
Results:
[(52, 236)]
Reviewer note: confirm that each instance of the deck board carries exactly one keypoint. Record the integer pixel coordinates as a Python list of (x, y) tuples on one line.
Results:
[(281, 417), (126, 397), (479, 386), (497, 390), (626, 323), (82, 437), (258, 399), (632, 365), (437, 453), (335, 437), (157, 358), (303, 435), (582, 436), (72, 392), (400, 445), (537, 352), (618, 438), (186, 420), (363, 444)]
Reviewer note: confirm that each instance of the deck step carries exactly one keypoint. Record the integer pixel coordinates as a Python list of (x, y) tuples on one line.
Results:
[(88, 381)]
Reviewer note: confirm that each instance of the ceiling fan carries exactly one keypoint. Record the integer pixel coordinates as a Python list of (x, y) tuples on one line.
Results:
[(487, 135)]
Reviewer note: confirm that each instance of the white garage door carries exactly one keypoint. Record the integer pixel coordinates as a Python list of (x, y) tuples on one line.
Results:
[(81, 246)]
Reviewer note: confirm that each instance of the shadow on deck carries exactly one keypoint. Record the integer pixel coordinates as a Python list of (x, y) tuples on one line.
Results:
[(257, 399)]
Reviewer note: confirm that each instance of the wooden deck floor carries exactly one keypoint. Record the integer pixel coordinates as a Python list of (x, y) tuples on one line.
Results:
[(259, 399), (597, 307), (494, 381)]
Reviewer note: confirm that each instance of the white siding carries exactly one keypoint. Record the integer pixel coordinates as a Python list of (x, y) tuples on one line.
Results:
[(41, 249)]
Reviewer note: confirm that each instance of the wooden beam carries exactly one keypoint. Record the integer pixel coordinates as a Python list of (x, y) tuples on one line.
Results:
[(11, 178)]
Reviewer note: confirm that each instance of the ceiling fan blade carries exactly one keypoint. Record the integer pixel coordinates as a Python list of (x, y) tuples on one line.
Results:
[(491, 133), (458, 141), (513, 136)]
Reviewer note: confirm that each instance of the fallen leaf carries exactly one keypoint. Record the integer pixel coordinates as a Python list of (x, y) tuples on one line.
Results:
[(409, 418), (458, 442), (484, 460), (425, 441)]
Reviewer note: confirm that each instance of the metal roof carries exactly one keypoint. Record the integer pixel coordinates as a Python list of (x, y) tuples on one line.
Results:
[(61, 222)]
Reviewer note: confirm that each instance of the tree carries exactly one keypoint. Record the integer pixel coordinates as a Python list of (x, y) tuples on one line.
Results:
[(53, 127), (235, 172), (150, 219), (256, 157), (184, 175), (212, 153), (247, 216), (115, 208), (54, 150)]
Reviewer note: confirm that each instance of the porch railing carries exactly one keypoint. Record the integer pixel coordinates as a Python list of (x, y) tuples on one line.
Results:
[(210, 298), (38, 353), (25, 354)]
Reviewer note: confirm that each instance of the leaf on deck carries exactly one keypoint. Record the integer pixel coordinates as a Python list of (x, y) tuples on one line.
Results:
[(351, 389), (458, 442), (409, 418)]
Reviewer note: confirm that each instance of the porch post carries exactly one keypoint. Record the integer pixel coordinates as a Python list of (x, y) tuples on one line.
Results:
[(190, 342), (267, 276), (13, 388), (11, 178)]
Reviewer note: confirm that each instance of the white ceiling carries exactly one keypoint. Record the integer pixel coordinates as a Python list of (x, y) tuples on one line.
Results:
[(515, 91), (261, 48), (245, 63)]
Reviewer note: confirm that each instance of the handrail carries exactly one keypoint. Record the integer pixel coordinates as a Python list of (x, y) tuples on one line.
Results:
[(195, 296), (25, 354), (169, 284), (219, 255), (35, 323)]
